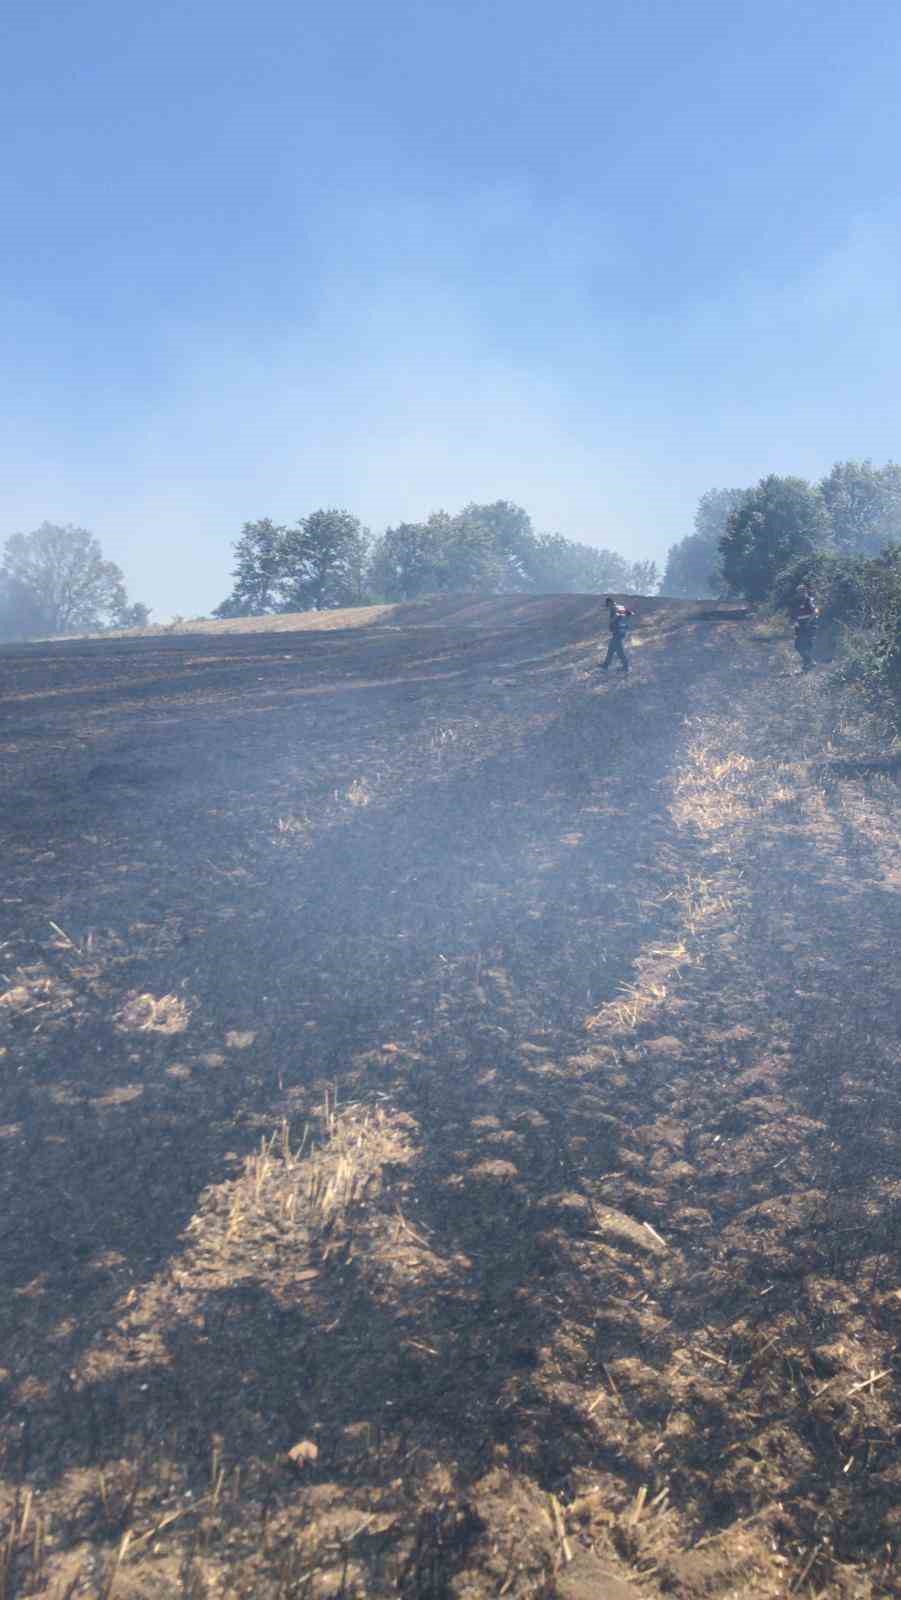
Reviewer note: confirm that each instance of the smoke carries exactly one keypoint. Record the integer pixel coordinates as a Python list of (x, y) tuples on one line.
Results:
[(471, 347)]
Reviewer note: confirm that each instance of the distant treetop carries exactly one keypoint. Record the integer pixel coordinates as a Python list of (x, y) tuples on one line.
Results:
[(56, 581)]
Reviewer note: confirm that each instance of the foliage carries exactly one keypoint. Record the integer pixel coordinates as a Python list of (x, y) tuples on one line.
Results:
[(872, 658), (860, 597), (471, 557), (326, 561), (857, 511), (838, 583), (55, 580), (715, 507), (693, 563), (483, 547), (316, 565), (644, 577), (777, 523), (493, 548), (559, 564), (20, 612), (509, 532), (133, 616), (690, 570), (258, 571), (404, 561), (323, 560), (863, 504)]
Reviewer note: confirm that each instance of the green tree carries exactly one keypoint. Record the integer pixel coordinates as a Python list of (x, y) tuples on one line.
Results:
[(61, 573), (511, 538), (404, 562), (776, 524), (871, 658), (838, 582), (258, 571), (439, 556), (864, 505), (693, 563), (470, 555), (493, 549), (323, 562)]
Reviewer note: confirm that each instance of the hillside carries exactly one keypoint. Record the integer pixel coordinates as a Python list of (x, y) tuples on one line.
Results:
[(449, 1114)]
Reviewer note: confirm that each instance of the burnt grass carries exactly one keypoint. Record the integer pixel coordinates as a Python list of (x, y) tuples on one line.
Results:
[(390, 1067)]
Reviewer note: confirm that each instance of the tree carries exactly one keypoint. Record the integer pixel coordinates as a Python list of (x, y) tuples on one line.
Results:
[(871, 646), (403, 563), (20, 614), (439, 556), (133, 616), (690, 571), (470, 557), (258, 571), (316, 565), (323, 560), (510, 536), (692, 564), (493, 549), (780, 521), (715, 507), (560, 565), (864, 505), (69, 586), (644, 578)]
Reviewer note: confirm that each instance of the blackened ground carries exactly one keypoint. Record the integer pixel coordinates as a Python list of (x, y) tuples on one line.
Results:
[(585, 955)]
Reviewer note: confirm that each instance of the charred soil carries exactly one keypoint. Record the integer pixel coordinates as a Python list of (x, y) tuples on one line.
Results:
[(449, 1114)]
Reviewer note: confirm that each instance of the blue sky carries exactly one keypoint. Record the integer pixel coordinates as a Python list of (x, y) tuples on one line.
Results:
[(595, 258)]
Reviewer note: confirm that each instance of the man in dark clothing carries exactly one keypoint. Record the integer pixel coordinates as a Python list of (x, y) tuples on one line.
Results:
[(620, 618), (805, 617)]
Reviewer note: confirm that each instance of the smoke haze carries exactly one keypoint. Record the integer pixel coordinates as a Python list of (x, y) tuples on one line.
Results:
[(469, 263)]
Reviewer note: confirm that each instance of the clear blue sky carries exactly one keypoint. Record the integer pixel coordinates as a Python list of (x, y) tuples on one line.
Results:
[(592, 257)]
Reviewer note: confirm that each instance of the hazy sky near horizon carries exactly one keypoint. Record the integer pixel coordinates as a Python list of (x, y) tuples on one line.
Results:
[(595, 258)]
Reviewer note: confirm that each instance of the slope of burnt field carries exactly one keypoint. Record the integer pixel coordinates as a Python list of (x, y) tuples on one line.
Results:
[(449, 1114)]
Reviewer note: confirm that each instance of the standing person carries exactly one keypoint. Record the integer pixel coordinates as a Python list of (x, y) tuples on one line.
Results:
[(619, 618), (805, 617)]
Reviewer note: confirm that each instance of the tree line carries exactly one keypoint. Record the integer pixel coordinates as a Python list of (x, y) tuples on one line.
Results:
[(743, 537), (55, 580), (328, 559), (842, 535), (839, 538)]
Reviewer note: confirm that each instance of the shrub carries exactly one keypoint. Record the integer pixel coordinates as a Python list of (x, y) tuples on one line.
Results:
[(860, 605)]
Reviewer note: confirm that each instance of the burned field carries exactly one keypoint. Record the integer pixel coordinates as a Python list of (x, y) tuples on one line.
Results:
[(449, 1115)]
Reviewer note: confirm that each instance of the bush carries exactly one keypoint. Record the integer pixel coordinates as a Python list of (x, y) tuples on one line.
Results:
[(838, 582), (872, 658), (860, 606)]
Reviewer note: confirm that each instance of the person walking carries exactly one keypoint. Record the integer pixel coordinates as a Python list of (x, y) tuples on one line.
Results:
[(619, 618), (805, 617)]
